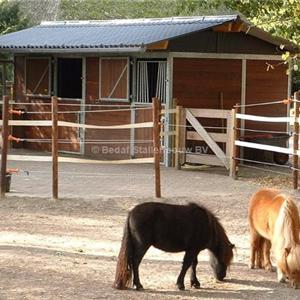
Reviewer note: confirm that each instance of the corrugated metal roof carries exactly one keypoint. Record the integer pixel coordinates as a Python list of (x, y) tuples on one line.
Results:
[(96, 35)]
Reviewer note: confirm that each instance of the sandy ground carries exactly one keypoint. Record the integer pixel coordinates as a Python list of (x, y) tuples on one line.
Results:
[(67, 249)]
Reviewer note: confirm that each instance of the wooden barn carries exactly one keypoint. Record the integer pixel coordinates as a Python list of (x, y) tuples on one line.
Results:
[(207, 62)]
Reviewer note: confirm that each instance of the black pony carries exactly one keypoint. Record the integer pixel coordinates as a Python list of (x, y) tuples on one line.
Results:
[(172, 228)]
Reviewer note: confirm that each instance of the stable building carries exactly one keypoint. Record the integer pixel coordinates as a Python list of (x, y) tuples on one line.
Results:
[(208, 62)]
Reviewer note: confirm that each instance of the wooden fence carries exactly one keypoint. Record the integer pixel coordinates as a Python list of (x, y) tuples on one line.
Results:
[(155, 124), (189, 127)]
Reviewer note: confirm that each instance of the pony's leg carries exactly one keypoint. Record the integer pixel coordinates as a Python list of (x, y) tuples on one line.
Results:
[(189, 257), (280, 275), (139, 253), (255, 254), (194, 280), (266, 254)]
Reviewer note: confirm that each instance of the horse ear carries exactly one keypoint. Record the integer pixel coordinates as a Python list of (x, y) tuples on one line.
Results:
[(231, 245), (287, 251)]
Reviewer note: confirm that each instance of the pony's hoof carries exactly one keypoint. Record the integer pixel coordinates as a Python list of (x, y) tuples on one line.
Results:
[(181, 286), (270, 268), (139, 287), (251, 266), (195, 284)]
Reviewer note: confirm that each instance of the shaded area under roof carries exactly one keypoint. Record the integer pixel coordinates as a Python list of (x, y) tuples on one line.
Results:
[(116, 35)]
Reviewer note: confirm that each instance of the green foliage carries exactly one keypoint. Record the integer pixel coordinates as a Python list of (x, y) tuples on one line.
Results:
[(11, 18), (280, 17)]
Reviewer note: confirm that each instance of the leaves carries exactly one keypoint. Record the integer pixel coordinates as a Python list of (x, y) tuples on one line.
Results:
[(11, 18)]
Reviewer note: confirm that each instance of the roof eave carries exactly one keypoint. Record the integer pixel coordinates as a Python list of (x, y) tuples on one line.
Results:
[(278, 41), (73, 50)]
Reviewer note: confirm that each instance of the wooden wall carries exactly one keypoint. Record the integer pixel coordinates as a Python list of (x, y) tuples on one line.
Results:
[(201, 82), (216, 83), (264, 85)]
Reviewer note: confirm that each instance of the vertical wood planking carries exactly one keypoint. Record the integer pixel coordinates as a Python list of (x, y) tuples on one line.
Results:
[(296, 140), (5, 129), (156, 144), (54, 149)]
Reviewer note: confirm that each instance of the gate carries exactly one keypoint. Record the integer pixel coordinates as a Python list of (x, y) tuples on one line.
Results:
[(190, 128)]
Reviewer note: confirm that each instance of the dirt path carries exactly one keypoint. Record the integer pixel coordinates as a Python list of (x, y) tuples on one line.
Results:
[(67, 250)]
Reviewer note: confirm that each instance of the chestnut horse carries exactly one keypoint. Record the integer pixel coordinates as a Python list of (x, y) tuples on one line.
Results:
[(274, 222), (172, 228)]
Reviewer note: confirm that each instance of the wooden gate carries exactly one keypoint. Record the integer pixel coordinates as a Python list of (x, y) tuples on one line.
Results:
[(215, 140)]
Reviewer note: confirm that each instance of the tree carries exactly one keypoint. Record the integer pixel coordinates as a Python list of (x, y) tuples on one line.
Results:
[(11, 18)]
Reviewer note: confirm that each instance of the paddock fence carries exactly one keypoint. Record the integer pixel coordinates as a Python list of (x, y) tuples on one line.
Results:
[(225, 142), (55, 120)]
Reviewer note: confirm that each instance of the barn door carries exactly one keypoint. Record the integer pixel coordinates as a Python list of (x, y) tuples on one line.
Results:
[(114, 79), (70, 74), (151, 82)]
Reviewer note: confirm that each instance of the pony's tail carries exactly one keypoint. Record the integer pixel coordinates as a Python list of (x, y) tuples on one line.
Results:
[(124, 264)]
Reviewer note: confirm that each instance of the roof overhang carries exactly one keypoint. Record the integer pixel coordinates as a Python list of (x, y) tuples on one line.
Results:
[(72, 50)]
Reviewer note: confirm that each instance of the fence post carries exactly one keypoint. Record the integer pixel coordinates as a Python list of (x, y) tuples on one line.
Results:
[(296, 140), (5, 129), (177, 137), (182, 136), (233, 152), (54, 149), (156, 111)]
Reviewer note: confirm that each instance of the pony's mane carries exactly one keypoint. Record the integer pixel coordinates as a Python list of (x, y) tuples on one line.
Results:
[(218, 233), (286, 233), (287, 225)]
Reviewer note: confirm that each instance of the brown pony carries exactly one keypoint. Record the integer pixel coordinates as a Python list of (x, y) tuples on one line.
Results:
[(172, 228), (274, 222)]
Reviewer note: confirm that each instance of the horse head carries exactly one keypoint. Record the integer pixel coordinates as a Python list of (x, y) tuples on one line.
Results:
[(220, 260)]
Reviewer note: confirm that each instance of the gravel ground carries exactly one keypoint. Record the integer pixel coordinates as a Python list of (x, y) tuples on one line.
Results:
[(67, 249)]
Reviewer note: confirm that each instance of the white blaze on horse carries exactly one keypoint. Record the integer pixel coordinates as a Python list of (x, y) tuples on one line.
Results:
[(274, 224)]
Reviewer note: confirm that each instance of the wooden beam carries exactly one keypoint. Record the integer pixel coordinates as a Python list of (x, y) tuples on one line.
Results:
[(162, 45), (4, 92), (210, 113), (223, 28), (217, 137), (156, 144), (203, 159), (5, 129), (233, 149), (177, 137), (230, 27), (54, 149)]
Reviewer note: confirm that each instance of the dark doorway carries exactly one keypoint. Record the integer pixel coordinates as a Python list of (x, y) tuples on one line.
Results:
[(69, 78)]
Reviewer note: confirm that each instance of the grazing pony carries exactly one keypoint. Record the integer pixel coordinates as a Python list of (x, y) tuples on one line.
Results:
[(172, 228), (274, 222)]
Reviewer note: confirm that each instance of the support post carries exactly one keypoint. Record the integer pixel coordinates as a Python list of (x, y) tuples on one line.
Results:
[(177, 137), (5, 131), (233, 152), (156, 111), (182, 136), (54, 149), (4, 93), (296, 140)]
